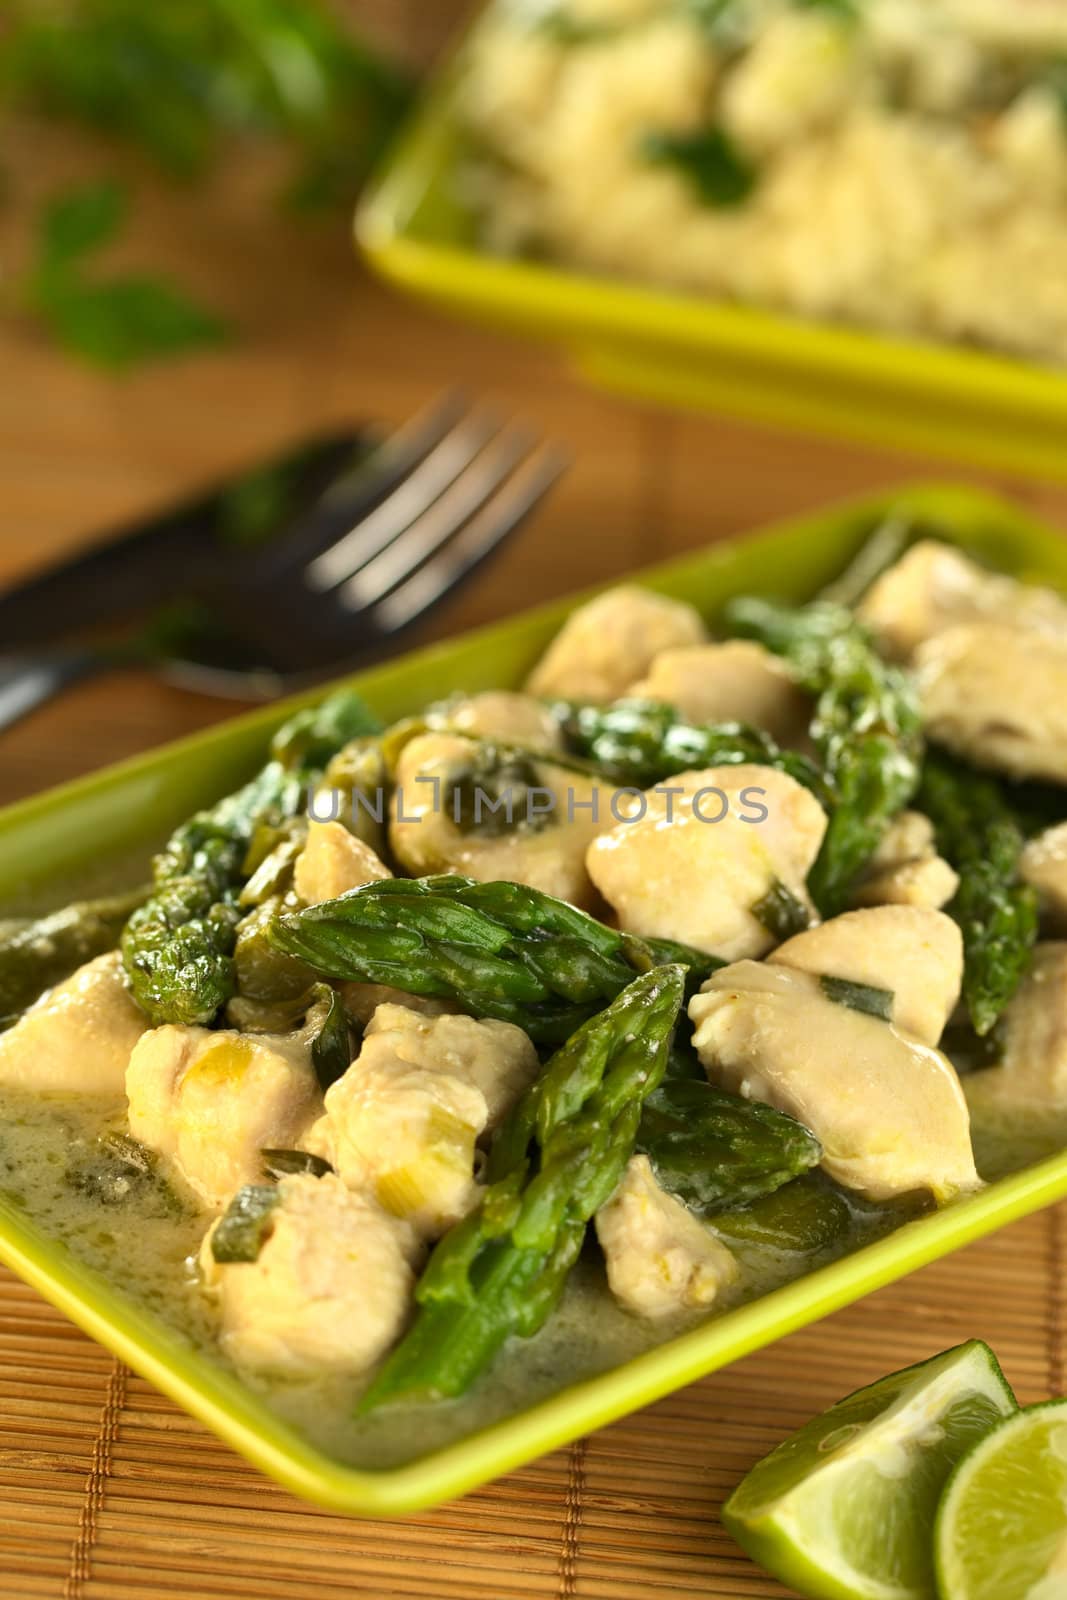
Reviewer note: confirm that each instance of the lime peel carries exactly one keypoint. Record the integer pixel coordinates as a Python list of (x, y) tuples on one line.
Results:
[(844, 1509), (1001, 1531)]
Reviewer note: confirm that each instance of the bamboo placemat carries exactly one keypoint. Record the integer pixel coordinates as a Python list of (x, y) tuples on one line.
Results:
[(108, 1492)]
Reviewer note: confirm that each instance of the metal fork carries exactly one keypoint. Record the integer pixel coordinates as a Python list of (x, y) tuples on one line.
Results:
[(373, 554)]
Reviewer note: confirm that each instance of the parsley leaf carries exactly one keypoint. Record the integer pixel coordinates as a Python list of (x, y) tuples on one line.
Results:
[(708, 158), (176, 78), (124, 322), (114, 322), (79, 221)]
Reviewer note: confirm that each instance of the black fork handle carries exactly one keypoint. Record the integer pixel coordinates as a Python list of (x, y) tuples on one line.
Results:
[(153, 562), (28, 682), (134, 572)]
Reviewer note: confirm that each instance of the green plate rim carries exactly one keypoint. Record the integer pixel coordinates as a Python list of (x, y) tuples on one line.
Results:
[(233, 1411)]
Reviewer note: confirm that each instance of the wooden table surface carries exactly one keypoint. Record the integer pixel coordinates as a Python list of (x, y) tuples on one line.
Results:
[(78, 454), (320, 345)]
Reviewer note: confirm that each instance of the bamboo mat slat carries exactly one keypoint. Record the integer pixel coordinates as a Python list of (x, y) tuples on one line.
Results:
[(107, 1492)]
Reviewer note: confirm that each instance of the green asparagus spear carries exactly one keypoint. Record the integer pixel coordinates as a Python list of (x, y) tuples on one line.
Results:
[(36, 953), (643, 742), (812, 1215), (555, 1160), (261, 973), (803, 1217), (997, 913), (501, 950), (1037, 805), (714, 1150), (894, 532), (866, 730), (178, 948)]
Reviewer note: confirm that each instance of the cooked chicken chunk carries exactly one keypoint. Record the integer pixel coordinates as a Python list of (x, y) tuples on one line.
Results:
[(496, 1058), (78, 1037), (906, 869), (734, 682), (330, 1291), (661, 1259), (701, 853), (210, 1101), (998, 696), (552, 823), (334, 861), (610, 641), (1044, 865), (916, 954), (1032, 1075), (889, 1112), (934, 587), (497, 714), (403, 1122)]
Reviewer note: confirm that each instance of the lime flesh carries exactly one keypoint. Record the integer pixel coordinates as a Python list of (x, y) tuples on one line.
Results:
[(844, 1509), (1002, 1526)]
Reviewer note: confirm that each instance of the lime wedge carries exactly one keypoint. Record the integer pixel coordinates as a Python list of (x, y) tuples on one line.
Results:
[(844, 1509), (1002, 1525)]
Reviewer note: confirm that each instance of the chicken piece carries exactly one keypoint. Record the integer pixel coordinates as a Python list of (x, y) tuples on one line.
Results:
[(334, 861), (496, 1058), (661, 1259), (404, 1120), (997, 695), (1043, 864), (498, 714), (610, 641), (906, 869), (933, 587), (1032, 1074), (908, 837), (734, 682), (703, 850), (78, 1037), (552, 821), (210, 1101), (916, 954), (888, 1111), (330, 1291)]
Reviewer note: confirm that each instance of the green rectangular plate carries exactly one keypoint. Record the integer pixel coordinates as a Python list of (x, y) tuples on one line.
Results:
[(684, 350), (66, 835)]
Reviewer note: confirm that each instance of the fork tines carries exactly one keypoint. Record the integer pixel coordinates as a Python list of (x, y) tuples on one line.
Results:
[(470, 480)]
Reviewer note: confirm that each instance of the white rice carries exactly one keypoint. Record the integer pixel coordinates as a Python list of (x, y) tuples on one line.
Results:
[(909, 161)]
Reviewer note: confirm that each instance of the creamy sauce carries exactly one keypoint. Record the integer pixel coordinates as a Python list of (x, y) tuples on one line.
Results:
[(147, 1249), (140, 1245), (1006, 1141)]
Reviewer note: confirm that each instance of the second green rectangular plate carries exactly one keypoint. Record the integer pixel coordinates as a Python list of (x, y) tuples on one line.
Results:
[(67, 836), (416, 228)]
